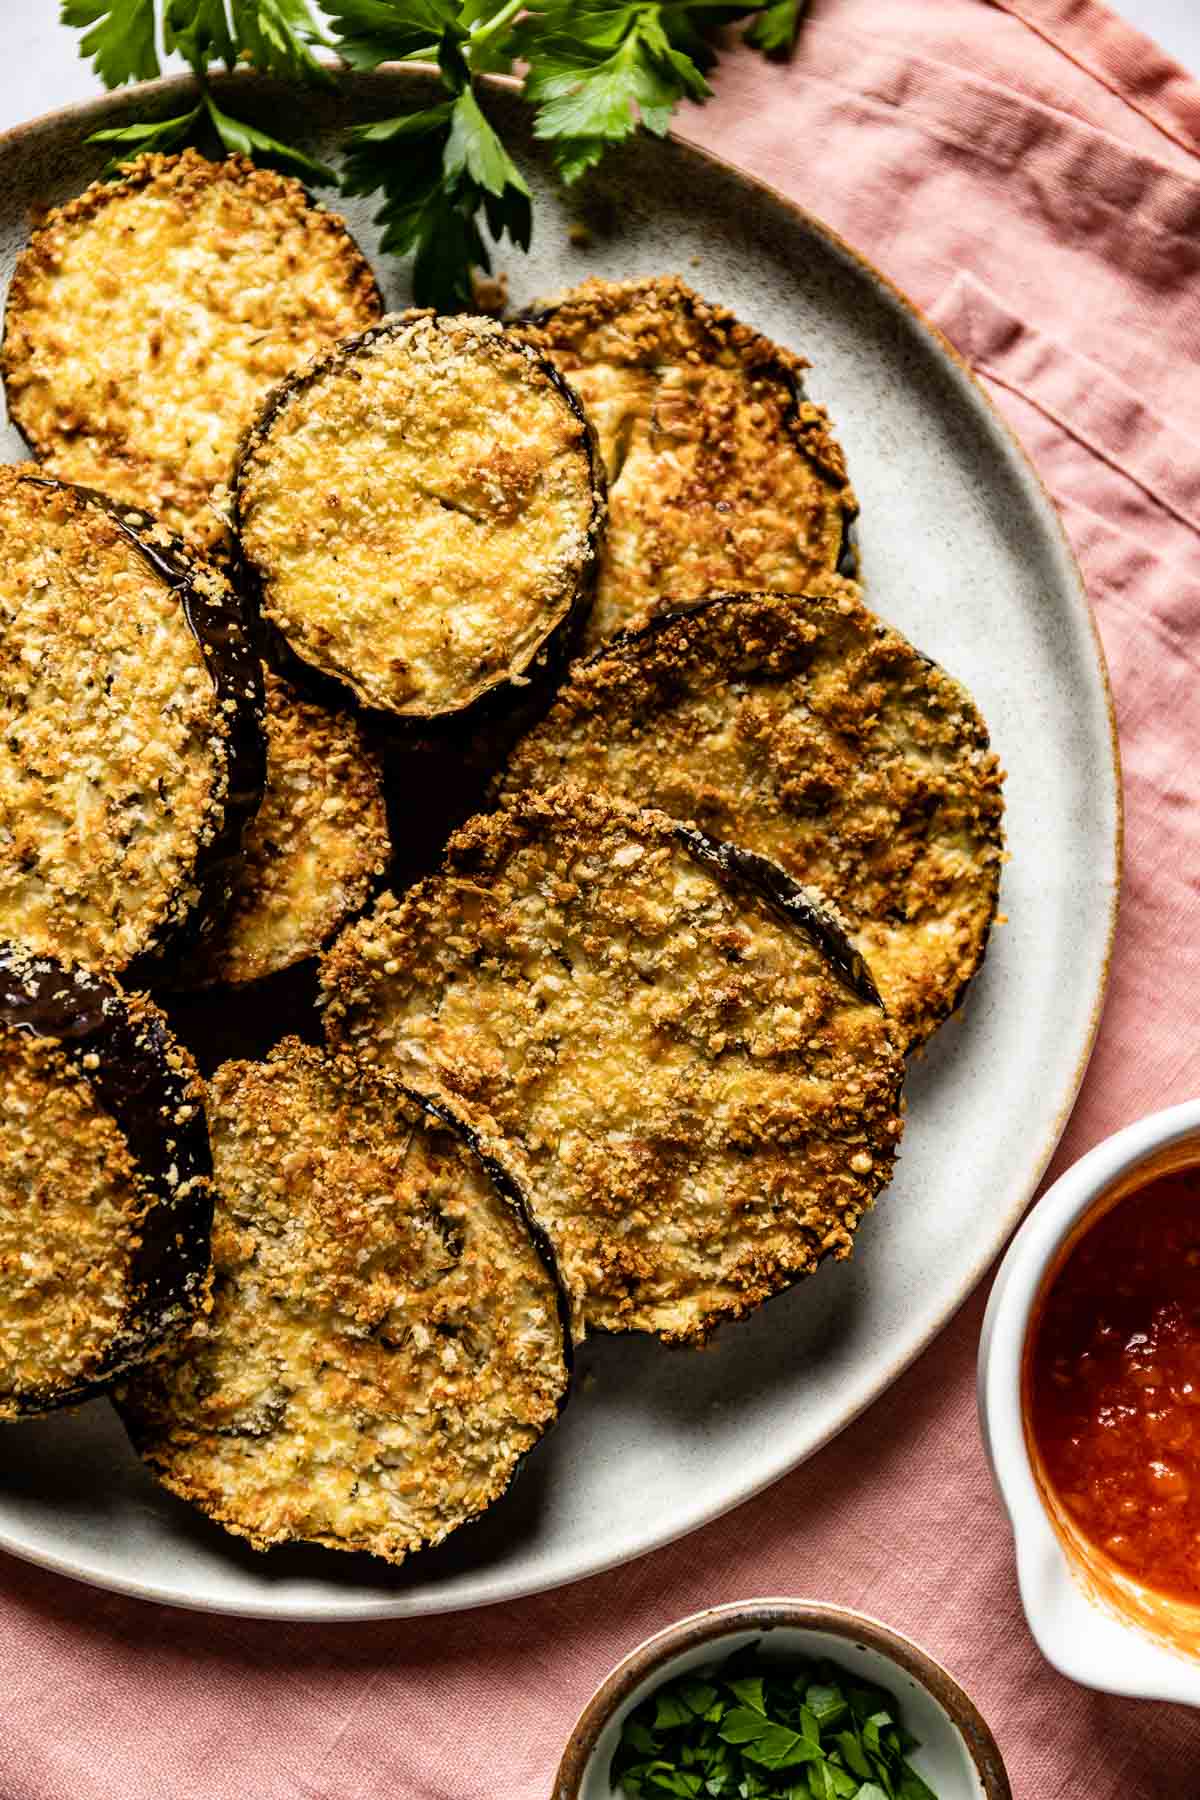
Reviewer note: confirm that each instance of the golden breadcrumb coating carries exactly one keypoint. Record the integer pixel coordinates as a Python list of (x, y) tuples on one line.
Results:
[(699, 1101), (421, 511), (720, 473), (104, 1196), (148, 319), (808, 730), (114, 753), (317, 846), (71, 1202), (384, 1345)]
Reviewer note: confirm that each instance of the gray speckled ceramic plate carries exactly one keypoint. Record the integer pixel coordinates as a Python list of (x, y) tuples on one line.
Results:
[(961, 548)]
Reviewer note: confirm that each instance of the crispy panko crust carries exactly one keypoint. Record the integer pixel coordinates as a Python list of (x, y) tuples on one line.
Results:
[(720, 473), (420, 509), (104, 1197), (130, 737), (674, 1044), (148, 319), (805, 728), (385, 1344), (313, 853)]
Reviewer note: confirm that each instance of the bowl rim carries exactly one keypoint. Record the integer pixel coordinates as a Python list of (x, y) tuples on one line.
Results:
[(1141, 1667), (715, 1622)]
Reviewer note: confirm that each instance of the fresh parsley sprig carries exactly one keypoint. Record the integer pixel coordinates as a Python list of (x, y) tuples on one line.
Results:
[(755, 1729), (596, 71)]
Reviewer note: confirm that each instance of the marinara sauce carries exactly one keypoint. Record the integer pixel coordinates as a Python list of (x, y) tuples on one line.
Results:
[(1113, 1385)]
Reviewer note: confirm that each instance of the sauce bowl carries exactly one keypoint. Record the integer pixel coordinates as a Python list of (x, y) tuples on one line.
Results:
[(1091, 1622)]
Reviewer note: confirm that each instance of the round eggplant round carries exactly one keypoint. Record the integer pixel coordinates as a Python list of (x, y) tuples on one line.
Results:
[(104, 1166), (805, 728), (420, 511), (148, 319), (312, 855), (721, 473), (682, 1055), (387, 1340), (131, 744)]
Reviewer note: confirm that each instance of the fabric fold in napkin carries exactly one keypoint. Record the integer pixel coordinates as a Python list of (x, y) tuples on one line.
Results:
[(1029, 171)]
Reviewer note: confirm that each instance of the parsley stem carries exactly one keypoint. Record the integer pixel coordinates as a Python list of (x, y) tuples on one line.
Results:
[(495, 26)]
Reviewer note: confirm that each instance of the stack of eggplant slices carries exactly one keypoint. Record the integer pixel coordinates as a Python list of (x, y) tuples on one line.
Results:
[(473, 866)]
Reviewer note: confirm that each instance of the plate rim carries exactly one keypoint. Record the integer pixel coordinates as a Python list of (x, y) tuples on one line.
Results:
[(396, 1605)]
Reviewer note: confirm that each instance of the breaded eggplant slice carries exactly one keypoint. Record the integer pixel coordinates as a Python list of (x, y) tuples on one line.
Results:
[(131, 745), (149, 318), (686, 1062), (105, 1202), (386, 1342), (420, 508), (808, 730), (313, 853), (720, 473)]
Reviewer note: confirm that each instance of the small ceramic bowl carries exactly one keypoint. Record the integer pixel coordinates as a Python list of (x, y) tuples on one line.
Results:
[(1096, 1626), (958, 1754)]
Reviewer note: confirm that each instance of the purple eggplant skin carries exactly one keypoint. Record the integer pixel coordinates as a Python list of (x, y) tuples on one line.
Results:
[(148, 1085), (227, 634), (489, 710), (508, 1187)]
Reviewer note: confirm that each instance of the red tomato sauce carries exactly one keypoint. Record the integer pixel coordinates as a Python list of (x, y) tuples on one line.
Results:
[(1113, 1385)]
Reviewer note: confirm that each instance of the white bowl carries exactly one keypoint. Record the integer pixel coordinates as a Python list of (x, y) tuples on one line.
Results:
[(958, 1754), (1092, 1624)]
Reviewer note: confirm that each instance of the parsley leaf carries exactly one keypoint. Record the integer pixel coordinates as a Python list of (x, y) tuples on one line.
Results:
[(750, 1692), (439, 169), (240, 139), (277, 35), (198, 29), (370, 32), (121, 40), (597, 72), (140, 140), (774, 30), (757, 1729)]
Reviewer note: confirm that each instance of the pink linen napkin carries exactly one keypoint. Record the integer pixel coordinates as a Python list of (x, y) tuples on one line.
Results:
[(1029, 171)]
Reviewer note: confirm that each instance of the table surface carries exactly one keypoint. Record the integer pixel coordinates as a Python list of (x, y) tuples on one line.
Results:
[(43, 68)]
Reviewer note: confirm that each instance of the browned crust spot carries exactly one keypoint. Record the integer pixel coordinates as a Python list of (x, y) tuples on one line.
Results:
[(697, 1106), (315, 850), (807, 729), (148, 318), (383, 1347), (721, 474)]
